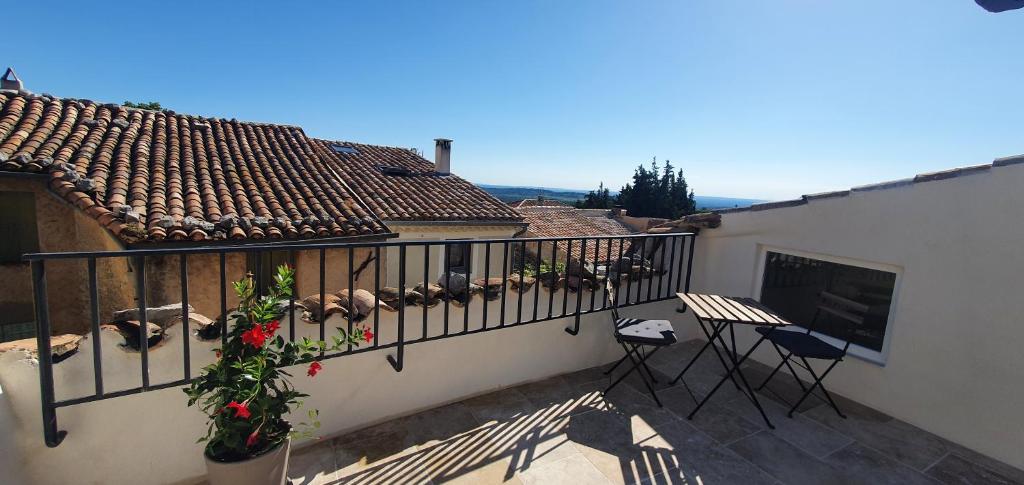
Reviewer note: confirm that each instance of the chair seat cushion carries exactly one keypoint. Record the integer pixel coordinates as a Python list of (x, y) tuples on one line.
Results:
[(648, 332), (801, 344)]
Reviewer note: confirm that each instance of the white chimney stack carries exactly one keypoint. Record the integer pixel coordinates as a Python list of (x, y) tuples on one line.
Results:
[(442, 155), (10, 81)]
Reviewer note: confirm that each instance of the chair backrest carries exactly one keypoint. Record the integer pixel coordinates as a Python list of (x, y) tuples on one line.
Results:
[(845, 309)]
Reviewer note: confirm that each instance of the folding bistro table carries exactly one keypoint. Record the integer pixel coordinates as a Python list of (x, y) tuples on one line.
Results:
[(715, 314)]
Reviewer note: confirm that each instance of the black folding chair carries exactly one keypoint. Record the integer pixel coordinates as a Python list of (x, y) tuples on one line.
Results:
[(634, 335), (803, 345)]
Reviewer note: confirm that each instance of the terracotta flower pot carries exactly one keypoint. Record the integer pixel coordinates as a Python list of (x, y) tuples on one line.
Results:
[(270, 468)]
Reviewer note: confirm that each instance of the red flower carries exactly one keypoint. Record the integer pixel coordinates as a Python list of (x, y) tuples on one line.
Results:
[(272, 327), (367, 334), (253, 438), (241, 410), (314, 368), (218, 353), (255, 336)]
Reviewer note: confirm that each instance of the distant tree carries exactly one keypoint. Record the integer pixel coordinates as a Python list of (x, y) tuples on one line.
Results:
[(596, 199), (150, 105), (657, 192)]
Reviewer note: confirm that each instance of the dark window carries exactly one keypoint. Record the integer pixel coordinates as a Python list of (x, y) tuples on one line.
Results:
[(792, 286), (17, 225), (459, 257), (338, 148), (263, 266)]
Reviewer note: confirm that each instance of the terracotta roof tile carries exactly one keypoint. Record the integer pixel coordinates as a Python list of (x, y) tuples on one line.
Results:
[(158, 175), (420, 194), (570, 222)]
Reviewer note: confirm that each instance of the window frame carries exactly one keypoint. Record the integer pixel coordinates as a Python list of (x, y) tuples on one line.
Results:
[(863, 353)]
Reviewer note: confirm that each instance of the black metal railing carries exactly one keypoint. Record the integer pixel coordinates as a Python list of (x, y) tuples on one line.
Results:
[(658, 265)]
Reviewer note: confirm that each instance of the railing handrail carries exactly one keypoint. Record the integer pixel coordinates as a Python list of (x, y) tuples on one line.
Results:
[(300, 244)]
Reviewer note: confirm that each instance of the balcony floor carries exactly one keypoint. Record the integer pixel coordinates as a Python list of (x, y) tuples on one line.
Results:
[(562, 430)]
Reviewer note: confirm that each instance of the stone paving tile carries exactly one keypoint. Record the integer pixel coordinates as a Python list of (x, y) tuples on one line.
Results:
[(572, 470), (897, 439), (499, 406), (786, 462), (810, 436), (697, 458), (312, 465), (1014, 474), (714, 419), (860, 464), (954, 469)]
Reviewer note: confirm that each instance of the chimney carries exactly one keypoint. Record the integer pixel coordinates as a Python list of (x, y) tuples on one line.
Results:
[(442, 156), (11, 81)]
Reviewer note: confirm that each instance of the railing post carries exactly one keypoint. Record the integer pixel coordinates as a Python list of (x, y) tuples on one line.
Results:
[(140, 294), (51, 434), (398, 362)]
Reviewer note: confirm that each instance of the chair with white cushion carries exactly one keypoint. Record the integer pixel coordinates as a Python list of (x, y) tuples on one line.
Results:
[(636, 336)]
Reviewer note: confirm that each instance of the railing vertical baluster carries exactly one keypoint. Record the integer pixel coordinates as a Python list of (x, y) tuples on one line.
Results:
[(140, 295), (351, 291), (643, 264), (487, 282), (679, 270), (565, 291), (399, 362), (537, 282), (51, 435), (467, 260), (258, 269), (608, 272), (291, 298), (629, 273), (650, 274), (376, 294), (661, 266), (551, 294), (186, 329), (579, 288), (223, 300), (671, 264), (689, 262), (94, 314), (426, 286), (629, 282), (504, 282), (522, 277), (447, 286), (597, 255), (323, 295)]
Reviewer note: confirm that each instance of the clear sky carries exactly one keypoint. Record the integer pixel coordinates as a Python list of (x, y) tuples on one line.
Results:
[(752, 98)]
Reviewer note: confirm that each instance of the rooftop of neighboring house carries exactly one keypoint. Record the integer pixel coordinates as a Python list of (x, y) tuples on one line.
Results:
[(400, 185), (158, 176), (572, 222), (538, 201)]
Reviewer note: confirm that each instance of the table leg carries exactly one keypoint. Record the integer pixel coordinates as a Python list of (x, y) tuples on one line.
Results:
[(736, 363), (711, 336)]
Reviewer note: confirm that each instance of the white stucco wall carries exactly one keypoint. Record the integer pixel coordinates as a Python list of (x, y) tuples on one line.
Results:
[(955, 363), (150, 437)]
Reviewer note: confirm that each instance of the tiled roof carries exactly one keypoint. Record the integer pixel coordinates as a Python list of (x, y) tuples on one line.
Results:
[(418, 194), (157, 175), (570, 222), (537, 203)]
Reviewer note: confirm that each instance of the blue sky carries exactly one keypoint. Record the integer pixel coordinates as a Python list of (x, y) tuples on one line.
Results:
[(752, 98)]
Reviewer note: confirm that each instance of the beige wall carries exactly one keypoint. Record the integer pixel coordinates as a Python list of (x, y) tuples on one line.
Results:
[(954, 362), (63, 227)]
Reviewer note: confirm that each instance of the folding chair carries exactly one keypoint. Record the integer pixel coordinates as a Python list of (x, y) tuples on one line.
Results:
[(803, 345), (634, 335)]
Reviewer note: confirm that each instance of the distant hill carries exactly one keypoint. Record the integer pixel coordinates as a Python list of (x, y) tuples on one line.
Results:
[(510, 194)]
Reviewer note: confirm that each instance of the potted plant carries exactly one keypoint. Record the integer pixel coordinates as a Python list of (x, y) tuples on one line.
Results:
[(246, 392)]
